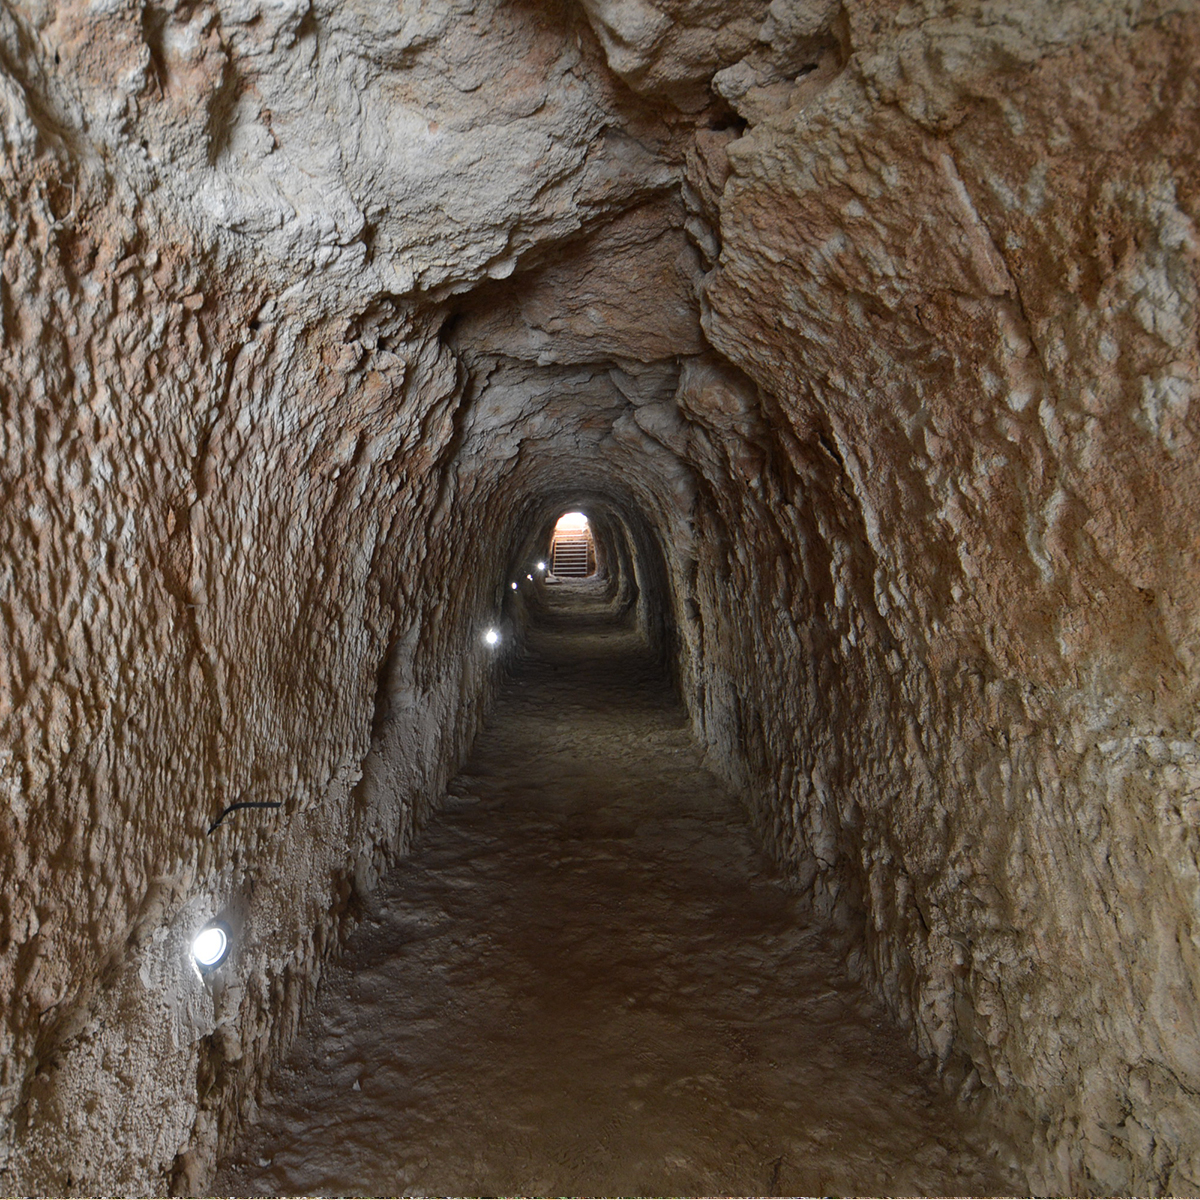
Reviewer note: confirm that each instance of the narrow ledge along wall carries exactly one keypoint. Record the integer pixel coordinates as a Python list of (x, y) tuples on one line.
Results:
[(884, 319)]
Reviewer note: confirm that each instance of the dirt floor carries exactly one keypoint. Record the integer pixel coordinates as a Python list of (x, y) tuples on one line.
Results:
[(587, 980)]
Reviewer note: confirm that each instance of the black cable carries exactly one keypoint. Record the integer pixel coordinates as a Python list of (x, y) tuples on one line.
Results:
[(244, 804)]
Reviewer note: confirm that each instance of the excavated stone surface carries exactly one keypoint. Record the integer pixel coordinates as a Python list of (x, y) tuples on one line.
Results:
[(867, 330), (983, 353)]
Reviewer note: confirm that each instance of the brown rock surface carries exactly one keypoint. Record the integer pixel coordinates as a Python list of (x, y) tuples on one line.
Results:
[(868, 329)]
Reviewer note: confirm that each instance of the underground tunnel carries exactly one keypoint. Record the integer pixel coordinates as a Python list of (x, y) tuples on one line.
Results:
[(864, 334)]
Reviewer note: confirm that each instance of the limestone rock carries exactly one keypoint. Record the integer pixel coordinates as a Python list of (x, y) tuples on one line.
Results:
[(871, 329)]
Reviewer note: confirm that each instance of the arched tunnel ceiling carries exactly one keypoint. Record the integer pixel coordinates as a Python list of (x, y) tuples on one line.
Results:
[(340, 163), (348, 152)]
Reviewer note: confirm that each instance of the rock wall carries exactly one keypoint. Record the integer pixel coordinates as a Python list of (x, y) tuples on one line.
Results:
[(962, 271), (869, 331), (229, 511), (211, 541)]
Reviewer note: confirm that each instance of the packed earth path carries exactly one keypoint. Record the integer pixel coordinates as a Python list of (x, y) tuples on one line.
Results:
[(587, 979)]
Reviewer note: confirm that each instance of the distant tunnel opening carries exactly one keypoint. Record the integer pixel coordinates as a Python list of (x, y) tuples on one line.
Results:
[(572, 548)]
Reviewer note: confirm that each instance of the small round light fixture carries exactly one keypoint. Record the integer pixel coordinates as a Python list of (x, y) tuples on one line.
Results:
[(514, 586), (492, 637), (529, 577), (541, 566), (210, 947)]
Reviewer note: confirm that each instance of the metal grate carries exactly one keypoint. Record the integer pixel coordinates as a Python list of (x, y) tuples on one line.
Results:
[(571, 555)]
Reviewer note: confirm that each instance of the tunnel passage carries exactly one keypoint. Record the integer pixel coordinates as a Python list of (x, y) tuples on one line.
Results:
[(875, 329), (586, 978), (632, 574), (572, 547)]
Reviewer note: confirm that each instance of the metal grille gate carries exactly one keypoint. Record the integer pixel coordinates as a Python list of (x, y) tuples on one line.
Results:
[(572, 555)]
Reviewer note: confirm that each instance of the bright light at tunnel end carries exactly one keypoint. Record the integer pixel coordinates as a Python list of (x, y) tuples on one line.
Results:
[(492, 637), (210, 947)]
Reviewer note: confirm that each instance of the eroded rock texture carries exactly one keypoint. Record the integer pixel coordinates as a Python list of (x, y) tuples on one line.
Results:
[(868, 333)]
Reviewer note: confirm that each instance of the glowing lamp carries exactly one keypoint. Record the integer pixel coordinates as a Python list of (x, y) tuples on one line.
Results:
[(210, 946), (492, 637)]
